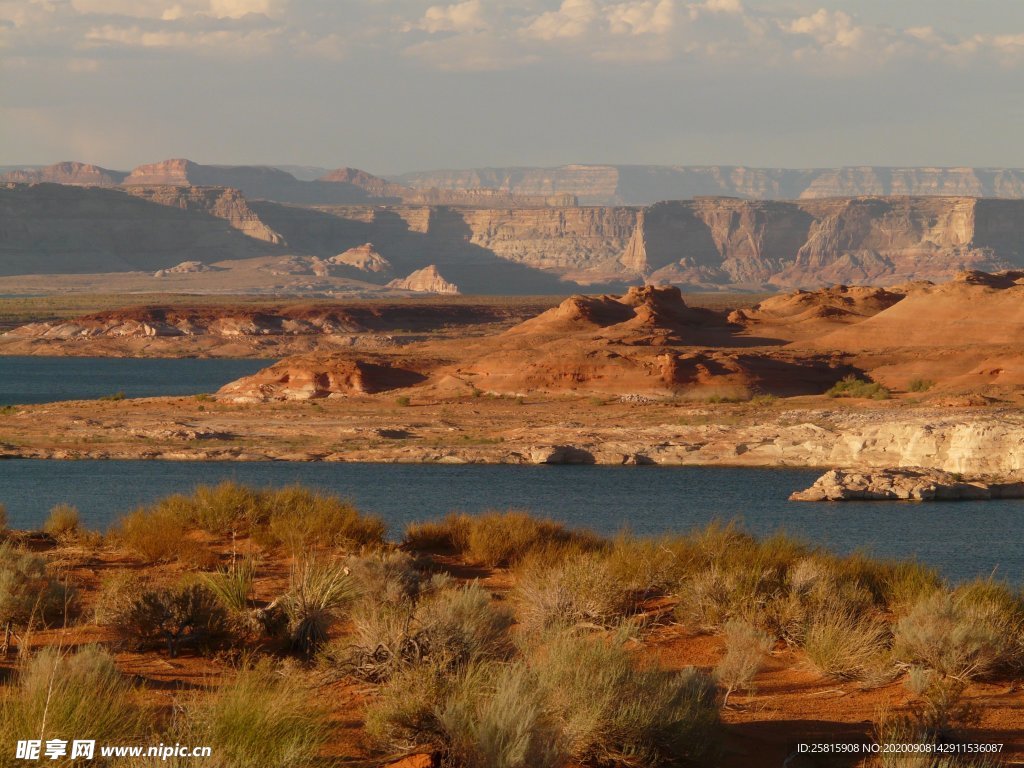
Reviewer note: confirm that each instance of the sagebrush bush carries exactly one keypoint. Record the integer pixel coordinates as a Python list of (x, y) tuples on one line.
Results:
[(29, 593), (72, 695), (581, 589), (968, 633), (301, 520), (185, 615), (608, 711), (447, 628), (259, 718), (745, 650), (118, 590), (494, 716), (318, 593), (62, 522)]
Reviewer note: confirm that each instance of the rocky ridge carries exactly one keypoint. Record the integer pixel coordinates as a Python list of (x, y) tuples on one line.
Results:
[(426, 280), (907, 484)]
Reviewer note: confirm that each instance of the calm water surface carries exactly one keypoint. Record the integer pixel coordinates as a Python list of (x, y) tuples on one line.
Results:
[(26, 380), (962, 539)]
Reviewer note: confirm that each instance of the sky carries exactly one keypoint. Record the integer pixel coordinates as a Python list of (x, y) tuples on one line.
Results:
[(402, 85)]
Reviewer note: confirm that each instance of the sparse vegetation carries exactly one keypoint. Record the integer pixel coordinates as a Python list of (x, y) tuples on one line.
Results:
[(30, 594), (403, 401), (318, 591), (62, 523), (115, 396), (851, 386), (920, 385), (184, 615), (59, 695), (260, 718), (745, 650)]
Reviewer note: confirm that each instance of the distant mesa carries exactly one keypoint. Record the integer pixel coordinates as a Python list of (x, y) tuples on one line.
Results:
[(77, 174), (375, 186), (426, 280), (363, 258)]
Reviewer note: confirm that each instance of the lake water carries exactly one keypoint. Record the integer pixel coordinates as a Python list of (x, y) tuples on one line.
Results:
[(962, 539), (26, 380)]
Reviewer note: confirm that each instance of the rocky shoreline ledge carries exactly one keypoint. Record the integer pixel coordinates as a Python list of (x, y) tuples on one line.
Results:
[(908, 484)]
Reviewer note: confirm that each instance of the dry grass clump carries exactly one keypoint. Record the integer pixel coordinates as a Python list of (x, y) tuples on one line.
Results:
[(745, 650), (62, 522), (294, 518), (497, 539), (259, 718), (29, 593), (844, 645), (156, 535), (71, 695)]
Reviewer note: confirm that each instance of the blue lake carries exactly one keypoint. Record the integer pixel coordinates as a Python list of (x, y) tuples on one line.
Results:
[(962, 539), (26, 380)]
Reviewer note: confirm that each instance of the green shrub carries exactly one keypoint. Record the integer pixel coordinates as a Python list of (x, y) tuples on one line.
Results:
[(72, 695), (403, 401), (119, 395), (233, 585), (448, 535), (188, 614), (505, 538), (745, 649), (851, 386), (29, 593), (62, 523), (260, 719), (920, 385), (318, 593)]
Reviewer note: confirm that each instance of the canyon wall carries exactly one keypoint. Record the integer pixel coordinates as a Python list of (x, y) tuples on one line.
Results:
[(647, 184), (61, 229), (710, 243)]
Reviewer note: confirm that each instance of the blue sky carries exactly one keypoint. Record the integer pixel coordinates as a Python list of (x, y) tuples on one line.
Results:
[(395, 85)]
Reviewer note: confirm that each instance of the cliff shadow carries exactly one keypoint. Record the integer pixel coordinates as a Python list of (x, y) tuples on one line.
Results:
[(444, 243)]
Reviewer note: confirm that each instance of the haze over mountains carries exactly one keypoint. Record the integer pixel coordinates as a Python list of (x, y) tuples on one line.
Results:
[(511, 230)]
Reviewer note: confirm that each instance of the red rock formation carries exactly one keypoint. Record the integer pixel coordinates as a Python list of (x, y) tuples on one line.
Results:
[(312, 377), (227, 204)]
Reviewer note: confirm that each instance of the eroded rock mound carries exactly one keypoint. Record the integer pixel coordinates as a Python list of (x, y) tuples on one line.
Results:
[(905, 484), (310, 377), (802, 314), (363, 259), (426, 280)]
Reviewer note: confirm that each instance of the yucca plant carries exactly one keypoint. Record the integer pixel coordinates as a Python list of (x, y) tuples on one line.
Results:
[(318, 592), (233, 585)]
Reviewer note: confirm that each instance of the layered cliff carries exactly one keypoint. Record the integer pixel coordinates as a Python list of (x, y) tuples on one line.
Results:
[(647, 184), (716, 241), (78, 174), (227, 204)]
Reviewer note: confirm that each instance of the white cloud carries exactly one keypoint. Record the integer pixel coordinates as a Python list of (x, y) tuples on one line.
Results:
[(459, 17), (644, 17), (572, 20)]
